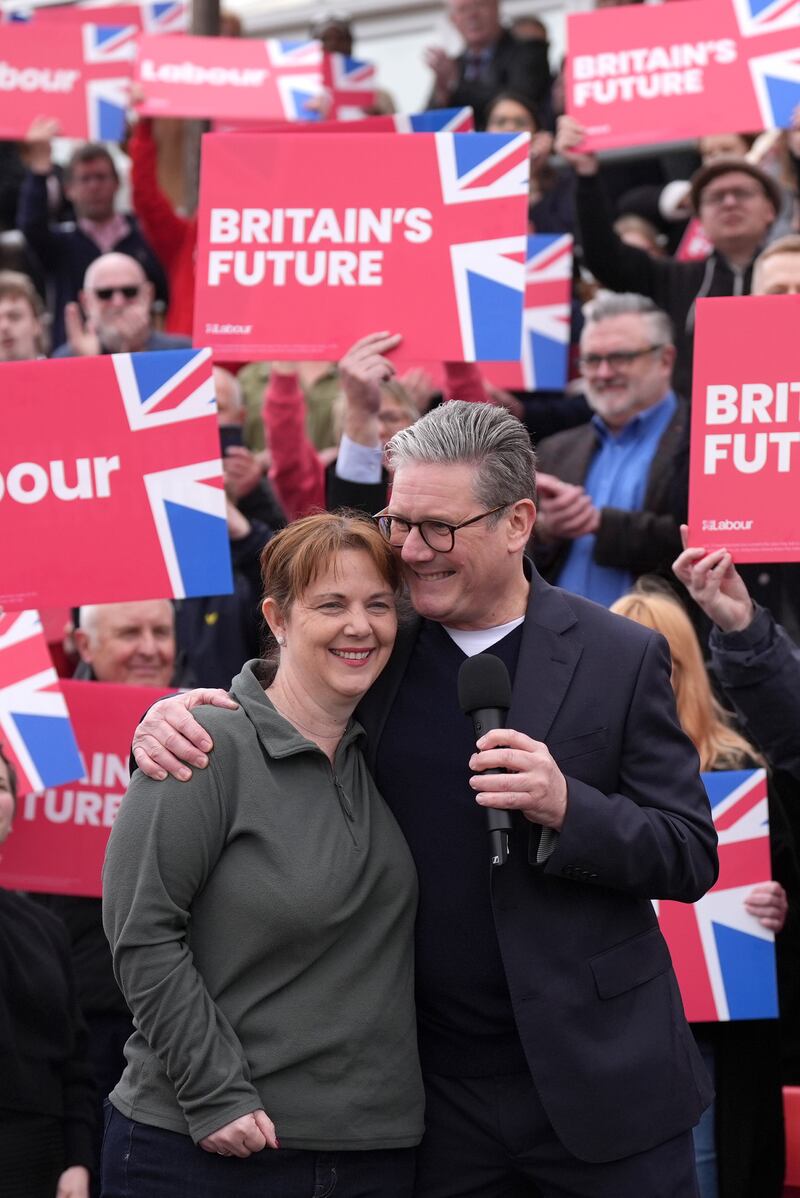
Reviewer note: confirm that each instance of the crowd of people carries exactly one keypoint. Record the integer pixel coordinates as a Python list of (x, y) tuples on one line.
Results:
[(247, 993)]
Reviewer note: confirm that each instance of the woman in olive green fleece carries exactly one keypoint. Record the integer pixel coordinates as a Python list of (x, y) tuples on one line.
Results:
[(261, 918)]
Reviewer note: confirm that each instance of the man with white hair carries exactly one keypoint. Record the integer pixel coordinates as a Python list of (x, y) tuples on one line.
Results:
[(113, 314), (128, 643), (492, 61)]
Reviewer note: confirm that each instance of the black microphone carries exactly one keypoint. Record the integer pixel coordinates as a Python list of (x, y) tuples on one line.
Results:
[(484, 694)]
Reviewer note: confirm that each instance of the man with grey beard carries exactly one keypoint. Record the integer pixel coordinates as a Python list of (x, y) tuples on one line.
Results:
[(613, 493)]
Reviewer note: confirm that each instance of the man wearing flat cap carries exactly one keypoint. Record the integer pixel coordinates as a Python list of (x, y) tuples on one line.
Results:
[(736, 203)]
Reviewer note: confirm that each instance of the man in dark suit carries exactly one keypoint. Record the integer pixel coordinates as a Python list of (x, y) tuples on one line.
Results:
[(492, 61), (613, 493), (556, 1053)]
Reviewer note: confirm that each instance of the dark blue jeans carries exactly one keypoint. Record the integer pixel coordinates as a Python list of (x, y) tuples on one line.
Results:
[(140, 1161)]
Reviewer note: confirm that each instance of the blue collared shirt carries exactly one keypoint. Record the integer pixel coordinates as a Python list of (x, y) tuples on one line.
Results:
[(617, 477)]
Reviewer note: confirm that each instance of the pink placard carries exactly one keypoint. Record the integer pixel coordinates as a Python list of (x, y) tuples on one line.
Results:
[(111, 484), (77, 73), (60, 834), (305, 244), (227, 78), (640, 75), (745, 454)]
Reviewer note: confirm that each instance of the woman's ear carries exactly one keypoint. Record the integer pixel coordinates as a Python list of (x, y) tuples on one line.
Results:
[(274, 618)]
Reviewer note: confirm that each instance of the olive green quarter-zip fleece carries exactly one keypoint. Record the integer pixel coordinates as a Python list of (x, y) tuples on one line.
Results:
[(261, 919)]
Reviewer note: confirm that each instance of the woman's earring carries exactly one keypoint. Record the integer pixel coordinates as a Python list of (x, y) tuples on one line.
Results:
[(281, 640)]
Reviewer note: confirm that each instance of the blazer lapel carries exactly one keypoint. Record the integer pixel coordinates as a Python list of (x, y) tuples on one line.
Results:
[(374, 708), (548, 657)]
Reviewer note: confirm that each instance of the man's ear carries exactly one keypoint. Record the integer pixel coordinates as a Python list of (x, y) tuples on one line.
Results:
[(81, 641), (522, 517)]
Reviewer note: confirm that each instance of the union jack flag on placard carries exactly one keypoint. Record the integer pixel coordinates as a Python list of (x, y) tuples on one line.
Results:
[(489, 276), (172, 16), (187, 502), (296, 66), (35, 730), (109, 43), (349, 84), (756, 17), (107, 96), (776, 82), (437, 120), (546, 319), (724, 958)]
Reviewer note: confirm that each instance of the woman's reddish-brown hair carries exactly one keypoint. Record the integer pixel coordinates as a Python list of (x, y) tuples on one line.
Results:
[(300, 552)]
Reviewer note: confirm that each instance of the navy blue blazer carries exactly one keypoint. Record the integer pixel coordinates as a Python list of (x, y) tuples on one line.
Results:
[(592, 985)]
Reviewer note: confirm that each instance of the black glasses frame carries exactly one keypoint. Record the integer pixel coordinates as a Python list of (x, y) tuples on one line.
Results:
[(617, 358), (385, 522)]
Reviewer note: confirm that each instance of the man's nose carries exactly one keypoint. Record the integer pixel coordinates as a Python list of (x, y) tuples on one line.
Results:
[(415, 547), (147, 644)]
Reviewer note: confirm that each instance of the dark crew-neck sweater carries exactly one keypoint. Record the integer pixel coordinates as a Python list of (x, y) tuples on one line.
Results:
[(464, 1015)]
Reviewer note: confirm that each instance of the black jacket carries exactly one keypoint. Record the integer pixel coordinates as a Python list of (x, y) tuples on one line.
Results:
[(515, 66), (674, 286), (594, 996), (65, 251)]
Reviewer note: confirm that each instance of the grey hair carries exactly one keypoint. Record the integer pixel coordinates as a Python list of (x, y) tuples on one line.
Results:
[(608, 304), (496, 443)]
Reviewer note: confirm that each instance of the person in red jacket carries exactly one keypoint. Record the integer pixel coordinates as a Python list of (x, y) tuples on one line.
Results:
[(173, 237)]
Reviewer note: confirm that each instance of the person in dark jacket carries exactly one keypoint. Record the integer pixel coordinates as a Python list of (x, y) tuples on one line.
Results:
[(492, 61), (736, 202), (127, 644), (114, 314), (612, 493), (66, 251), (739, 1142), (46, 1092), (756, 662)]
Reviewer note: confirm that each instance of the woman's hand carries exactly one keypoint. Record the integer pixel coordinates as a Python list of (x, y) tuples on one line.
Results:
[(243, 1137), (769, 904), (73, 1183)]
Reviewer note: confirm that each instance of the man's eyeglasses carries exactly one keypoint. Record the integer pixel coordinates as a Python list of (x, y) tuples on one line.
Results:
[(617, 360), (437, 534), (740, 195), (106, 293)]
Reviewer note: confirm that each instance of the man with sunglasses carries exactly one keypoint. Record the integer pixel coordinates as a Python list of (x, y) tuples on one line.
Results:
[(113, 314), (557, 1059), (613, 493), (65, 250)]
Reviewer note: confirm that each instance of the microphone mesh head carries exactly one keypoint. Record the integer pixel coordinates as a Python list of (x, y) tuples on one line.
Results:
[(483, 681)]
